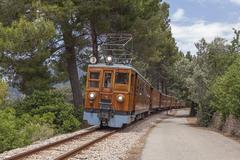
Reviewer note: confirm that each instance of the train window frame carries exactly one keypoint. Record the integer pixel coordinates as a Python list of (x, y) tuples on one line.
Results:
[(119, 86), (111, 79), (90, 72), (117, 78), (95, 80)]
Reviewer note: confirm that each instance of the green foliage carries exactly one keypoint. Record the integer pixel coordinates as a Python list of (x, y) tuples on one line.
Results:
[(226, 91), (155, 48), (11, 10), (24, 46), (19, 131), (50, 108), (204, 115), (200, 78), (180, 73), (9, 135), (38, 116), (3, 91), (24, 36)]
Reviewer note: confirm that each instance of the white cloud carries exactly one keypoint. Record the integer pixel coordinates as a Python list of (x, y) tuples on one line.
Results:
[(178, 15), (187, 35), (235, 1)]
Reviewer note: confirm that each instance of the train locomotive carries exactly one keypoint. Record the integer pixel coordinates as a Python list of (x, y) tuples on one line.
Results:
[(117, 94)]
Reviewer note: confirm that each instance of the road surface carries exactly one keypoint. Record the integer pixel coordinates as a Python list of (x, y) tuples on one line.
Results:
[(175, 139)]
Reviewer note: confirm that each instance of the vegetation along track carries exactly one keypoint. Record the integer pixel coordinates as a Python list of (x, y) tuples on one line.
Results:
[(66, 147)]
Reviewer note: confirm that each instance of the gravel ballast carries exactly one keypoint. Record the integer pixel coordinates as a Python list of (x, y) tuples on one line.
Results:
[(120, 145)]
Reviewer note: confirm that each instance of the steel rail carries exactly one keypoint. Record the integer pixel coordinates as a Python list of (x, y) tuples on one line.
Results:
[(85, 146), (44, 147)]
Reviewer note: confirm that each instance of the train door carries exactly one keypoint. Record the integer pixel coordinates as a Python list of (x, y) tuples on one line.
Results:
[(107, 81), (106, 90), (132, 92)]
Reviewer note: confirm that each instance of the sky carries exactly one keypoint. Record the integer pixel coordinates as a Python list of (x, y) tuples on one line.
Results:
[(192, 20)]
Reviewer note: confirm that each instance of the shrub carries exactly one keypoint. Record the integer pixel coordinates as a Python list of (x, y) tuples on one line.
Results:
[(49, 107), (3, 91), (10, 134), (204, 115), (38, 116), (19, 131), (37, 99), (63, 114), (226, 91)]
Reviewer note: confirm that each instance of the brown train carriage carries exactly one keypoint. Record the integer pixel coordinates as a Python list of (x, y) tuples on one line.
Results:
[(155, 100), (163, 101), (168, 101), (174, 102), (115, 95), (142, 96)]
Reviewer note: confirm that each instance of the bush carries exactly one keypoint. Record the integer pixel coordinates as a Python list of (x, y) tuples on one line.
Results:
[(37, 99), (3, 91), (49, 107), (204, 115), (10, 135), (38, 116), (226, 91), (19, 131)]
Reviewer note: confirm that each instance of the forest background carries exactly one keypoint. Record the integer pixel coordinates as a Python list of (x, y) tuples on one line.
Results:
[(44, 50)]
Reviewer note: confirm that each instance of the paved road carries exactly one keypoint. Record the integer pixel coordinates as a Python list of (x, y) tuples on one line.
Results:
[(174, 139)]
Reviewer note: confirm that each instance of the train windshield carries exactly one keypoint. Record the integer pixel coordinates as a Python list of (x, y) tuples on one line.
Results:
[(94, 79), (121, 78), (107, 80)]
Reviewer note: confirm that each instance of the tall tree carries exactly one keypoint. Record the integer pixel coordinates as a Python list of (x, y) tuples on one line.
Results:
[(79, 25), (154, 41), (23, 50)]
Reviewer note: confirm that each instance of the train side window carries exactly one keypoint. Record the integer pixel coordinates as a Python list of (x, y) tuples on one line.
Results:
[(121, 78), (94, 79)]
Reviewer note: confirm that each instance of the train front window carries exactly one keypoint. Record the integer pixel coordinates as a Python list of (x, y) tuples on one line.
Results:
[(107, 80), (94, 79), (121, 78), (94, 75)]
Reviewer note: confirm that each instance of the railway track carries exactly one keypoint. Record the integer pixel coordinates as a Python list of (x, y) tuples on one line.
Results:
[(65, 148)]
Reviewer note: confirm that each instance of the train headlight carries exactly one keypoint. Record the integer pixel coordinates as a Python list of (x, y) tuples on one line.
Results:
[(120, 98), (92, 96), (109, 59)]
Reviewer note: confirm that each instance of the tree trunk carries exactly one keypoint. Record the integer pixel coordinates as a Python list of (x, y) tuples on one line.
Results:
[(94, 39), (72, 70), (193, 111)]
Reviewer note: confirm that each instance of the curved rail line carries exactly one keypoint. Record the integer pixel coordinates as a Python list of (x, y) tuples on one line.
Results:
[(53, 144)]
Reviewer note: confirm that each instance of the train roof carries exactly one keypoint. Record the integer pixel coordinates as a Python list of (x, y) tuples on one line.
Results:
[(120, 66)]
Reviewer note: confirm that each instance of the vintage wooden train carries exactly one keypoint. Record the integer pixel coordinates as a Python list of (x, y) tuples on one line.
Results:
[(118, 94)]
